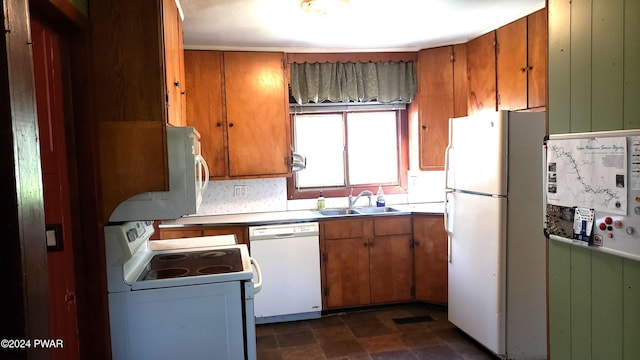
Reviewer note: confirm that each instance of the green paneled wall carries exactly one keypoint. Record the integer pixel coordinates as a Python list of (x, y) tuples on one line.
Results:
[(594, 85)]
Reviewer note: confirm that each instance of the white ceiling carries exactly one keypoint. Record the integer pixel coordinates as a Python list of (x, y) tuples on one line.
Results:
[(366, 25)]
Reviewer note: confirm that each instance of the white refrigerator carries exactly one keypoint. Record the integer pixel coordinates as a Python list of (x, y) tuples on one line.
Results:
[(493, 217)]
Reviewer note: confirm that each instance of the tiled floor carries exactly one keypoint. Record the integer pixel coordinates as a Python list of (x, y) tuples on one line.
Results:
[(369, 334)]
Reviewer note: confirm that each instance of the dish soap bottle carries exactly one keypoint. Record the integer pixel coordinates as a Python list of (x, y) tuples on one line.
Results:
[(380, 200), (320, 201)]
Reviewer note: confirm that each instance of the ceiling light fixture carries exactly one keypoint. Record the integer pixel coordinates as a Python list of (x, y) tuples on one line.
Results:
[(323, 7)]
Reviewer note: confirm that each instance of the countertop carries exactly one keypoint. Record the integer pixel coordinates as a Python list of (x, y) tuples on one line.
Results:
[(294, 216)]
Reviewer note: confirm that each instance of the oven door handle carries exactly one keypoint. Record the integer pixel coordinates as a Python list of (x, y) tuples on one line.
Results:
[(258, 285)]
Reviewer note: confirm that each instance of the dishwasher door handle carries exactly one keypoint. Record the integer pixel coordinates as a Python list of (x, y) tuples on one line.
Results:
[(284, 236), (258, 285)]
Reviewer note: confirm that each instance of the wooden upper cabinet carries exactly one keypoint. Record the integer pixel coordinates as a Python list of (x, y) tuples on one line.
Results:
[(481, 68), (257, 114), (521, 63), (203, 76), (443, 87), (237, 102), (537, 58), (130, 92), (172, 26), (460, 80), (436, 96), (512, 65)]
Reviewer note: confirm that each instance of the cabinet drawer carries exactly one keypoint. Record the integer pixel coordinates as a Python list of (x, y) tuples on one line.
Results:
[(343, 229), (180, 233), (392, 225), (241, 232)]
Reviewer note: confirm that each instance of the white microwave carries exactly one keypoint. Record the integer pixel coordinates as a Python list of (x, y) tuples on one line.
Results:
[(188, 178)]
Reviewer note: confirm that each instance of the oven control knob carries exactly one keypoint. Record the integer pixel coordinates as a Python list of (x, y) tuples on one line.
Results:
[(630, 230), (602, 226), (617, 224), (608, 220), (609, 235)]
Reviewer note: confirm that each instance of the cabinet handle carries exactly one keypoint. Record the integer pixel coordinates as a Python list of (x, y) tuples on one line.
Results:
[(523, 69), (530, 68), (424, 127), (177, 83), (365, 244), (230, 124), (219, 123)]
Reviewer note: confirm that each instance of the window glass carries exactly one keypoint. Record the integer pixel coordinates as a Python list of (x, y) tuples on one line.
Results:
[(321, 139), (366, 140), (372, 147)]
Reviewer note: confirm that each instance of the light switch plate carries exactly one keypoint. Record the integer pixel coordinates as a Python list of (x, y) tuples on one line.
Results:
[(240, 190)]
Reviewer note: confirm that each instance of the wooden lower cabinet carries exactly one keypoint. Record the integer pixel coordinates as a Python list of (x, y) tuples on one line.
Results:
[(430, 256), (241, 232), (366, 261), (346, 270), (391, 268)]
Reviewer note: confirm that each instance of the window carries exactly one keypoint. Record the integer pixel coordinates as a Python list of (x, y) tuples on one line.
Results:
[(344, 149)]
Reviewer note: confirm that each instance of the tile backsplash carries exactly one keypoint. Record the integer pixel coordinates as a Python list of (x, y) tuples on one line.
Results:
[(260, 195)]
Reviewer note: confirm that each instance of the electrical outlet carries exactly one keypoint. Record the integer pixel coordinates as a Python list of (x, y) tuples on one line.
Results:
[(239, 190)]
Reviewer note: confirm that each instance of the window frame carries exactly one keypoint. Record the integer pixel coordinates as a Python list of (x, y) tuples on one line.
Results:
[(402, 133)]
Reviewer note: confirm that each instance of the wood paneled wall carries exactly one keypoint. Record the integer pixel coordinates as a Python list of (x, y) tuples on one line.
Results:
[(594, 85)]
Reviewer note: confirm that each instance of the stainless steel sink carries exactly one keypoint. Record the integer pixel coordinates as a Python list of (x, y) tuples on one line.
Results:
[(336, 212), (375, 210)]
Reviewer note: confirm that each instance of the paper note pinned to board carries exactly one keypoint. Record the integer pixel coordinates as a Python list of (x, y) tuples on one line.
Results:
[(589, 173)]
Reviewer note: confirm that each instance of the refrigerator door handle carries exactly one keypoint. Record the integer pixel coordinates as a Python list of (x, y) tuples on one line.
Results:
[(447, 202), (446, 166)]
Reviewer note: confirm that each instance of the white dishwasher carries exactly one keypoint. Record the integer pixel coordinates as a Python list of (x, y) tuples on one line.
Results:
[(289, 257)]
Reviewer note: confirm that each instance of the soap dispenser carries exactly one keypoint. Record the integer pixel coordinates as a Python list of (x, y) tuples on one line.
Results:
[(380, 202), (320, 201)]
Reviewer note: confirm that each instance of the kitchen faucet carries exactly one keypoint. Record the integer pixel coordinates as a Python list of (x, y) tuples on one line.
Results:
[(352, 201)]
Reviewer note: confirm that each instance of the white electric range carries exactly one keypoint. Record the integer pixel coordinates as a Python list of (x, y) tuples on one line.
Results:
[(179, 299)]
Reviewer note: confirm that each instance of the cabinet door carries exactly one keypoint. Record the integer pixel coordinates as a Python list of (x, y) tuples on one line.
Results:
[(172, 38), (512, 65), (346, 267), (183, 82), (481, 67), (391, 268), (241, 232), (460, 80), (257, 114), (436, 104), (430, 256), (129, 102), (203, 76), (537, 61)]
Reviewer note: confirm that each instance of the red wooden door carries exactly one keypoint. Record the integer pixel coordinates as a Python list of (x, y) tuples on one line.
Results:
[(57, 199)]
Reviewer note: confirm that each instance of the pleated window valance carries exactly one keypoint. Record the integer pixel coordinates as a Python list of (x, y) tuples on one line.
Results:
[(383, 82)]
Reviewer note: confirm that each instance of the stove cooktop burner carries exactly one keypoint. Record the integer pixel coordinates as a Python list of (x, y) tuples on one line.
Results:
[(215, 269), (171, 257), (196, 263), (165, 273), (212, 254)]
